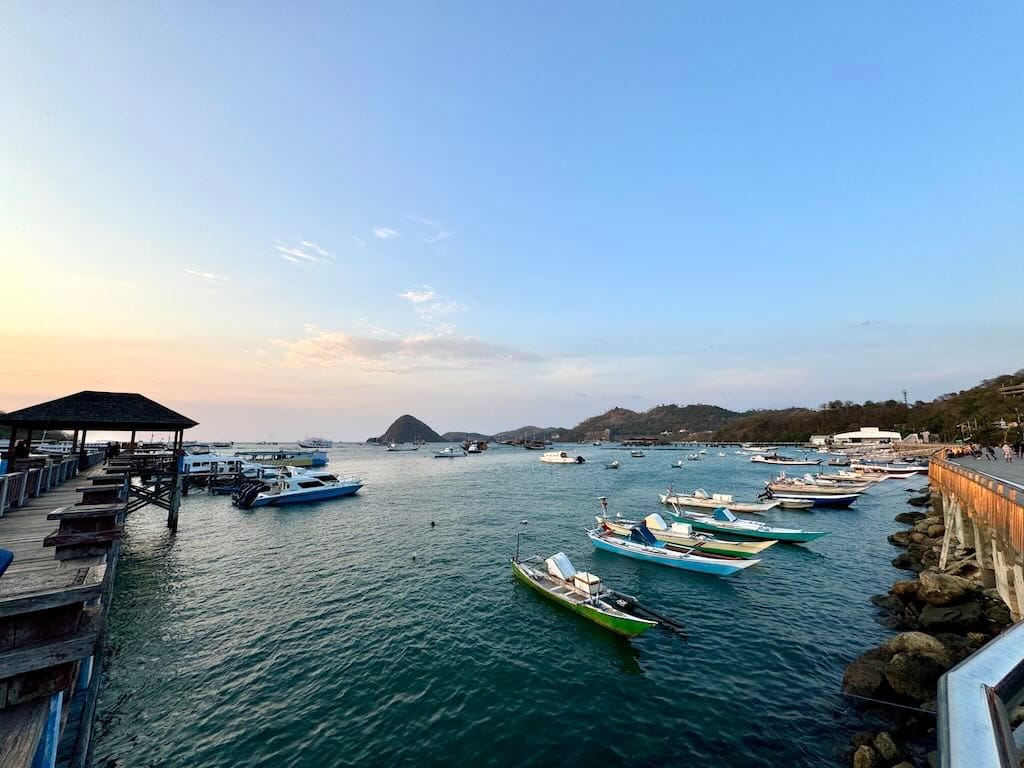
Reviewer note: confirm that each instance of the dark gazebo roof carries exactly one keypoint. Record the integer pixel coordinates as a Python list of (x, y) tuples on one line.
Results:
[(113, 411)]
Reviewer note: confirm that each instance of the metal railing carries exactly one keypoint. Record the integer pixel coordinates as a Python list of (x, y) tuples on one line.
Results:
[(974, 702)]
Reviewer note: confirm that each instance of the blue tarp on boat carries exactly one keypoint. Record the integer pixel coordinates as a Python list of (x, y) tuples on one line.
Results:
[(725, 515), (641, 534)]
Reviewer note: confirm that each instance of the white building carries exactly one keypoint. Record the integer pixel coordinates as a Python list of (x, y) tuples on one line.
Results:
[(867, 436), (819, 439)]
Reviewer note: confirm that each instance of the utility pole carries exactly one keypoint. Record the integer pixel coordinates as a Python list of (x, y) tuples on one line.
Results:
[(905, 398)]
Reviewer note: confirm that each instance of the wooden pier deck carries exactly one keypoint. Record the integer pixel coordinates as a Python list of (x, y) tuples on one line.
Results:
[(52, 614)]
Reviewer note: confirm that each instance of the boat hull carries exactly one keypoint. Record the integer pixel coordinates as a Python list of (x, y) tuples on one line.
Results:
[(792, 537), (695, 564), (320, 494), (739, 507), (743, 549), (626, 626), (832, 501)]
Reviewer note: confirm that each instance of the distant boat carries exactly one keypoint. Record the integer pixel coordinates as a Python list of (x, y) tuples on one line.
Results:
[(561, 457), (612, 465), (839, 461), (774, 458), (642, 545), (637, 454), (315, 442), (693, 457), (678, 464), (581, 593), (401, 447), (449, 453), (725, 522), (720, 454)]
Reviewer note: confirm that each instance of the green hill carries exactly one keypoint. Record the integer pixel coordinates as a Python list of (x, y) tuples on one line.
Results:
[(406, 429), (680, 421)]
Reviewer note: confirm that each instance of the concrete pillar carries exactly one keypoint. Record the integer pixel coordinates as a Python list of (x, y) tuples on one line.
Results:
[(1018, 583)]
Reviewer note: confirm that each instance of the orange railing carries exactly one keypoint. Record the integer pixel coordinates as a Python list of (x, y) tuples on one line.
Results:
[(989, 500)]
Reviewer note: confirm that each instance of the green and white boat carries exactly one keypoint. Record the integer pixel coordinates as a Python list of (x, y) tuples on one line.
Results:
[(724, 521), (580, 592)]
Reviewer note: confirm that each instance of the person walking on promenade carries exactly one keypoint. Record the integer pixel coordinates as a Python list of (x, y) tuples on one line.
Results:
[(1007, 453)]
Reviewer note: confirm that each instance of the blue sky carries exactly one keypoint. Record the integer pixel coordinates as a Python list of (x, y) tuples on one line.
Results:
[(490, 214)]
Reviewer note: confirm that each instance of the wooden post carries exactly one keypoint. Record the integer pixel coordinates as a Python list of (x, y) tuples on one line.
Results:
[(74, 443), (10, 447), (175, 499), (131, 443), (81, 451)]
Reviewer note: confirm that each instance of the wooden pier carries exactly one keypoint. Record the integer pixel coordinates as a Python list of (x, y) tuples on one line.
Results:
[(63, 519)]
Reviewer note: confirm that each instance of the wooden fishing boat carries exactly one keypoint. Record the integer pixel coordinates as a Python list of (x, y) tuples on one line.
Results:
[(641, 545), (701, 499), (725, 522), (795, 504), (580, 592), (682, 535)]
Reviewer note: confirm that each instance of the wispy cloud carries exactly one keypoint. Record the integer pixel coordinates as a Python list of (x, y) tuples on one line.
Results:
[(308, 253), (442, 347), (358, 240), (426, 293), (438, 231), (210, 277), (385, 233)]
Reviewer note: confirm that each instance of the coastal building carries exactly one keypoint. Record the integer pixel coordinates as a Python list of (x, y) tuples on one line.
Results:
[(819, 440), (867, 436)]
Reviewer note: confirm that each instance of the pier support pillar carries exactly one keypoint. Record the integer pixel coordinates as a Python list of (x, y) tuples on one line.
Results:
[(175, 504), (983, 553), (1018, 584)]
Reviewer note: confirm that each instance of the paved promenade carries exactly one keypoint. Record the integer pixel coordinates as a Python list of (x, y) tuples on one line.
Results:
[(1012, 472)]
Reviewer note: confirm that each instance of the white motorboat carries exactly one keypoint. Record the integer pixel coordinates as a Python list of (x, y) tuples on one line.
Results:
[(394, 447), (637, 454), (701, 499), (449, 453), (561, 457), (295, 486), (612, 465)]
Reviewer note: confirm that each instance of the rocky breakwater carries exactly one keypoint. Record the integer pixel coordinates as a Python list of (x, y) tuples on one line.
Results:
[(942, 618)]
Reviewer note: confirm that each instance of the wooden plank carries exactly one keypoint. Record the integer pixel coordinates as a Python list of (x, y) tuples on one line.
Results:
[(39, 601), (58, 539), (22, 726), (30, 658), (97, 510)]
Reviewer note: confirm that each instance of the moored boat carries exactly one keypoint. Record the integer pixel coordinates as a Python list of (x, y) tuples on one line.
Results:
[(682, 535), (449, 453), (295, 486), (642, 545), (774, 458), (315, 442), (700, 499), (612, 465), (725, 522), (395, 447), (561, 457), (637, 454), (580, 592)]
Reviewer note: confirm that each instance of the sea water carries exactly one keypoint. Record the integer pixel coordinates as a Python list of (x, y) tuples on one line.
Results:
[(351, 632)]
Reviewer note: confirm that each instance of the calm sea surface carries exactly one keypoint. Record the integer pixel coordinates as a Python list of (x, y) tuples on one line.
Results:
[(351, 633)]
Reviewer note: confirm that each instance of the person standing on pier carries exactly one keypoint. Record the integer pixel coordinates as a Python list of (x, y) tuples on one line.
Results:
[(1007, 452)]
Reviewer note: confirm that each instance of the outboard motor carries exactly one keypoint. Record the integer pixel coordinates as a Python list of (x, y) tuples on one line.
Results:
[(246, 495)]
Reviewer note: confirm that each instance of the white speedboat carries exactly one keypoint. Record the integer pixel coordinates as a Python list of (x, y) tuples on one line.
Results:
[(637, 454), (701, 499), (393, 447), (561, 457), (315, 442), (295, 486), (449, 453), (612, 465)]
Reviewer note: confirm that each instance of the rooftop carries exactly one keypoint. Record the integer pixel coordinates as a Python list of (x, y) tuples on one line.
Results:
[(115, 411)]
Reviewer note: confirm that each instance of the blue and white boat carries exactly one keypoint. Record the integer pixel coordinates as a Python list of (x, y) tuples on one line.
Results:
[(450, 453), (296, 486), (642, 545)]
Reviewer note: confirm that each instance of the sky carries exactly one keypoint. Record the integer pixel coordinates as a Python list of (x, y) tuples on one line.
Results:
[(285, 219)]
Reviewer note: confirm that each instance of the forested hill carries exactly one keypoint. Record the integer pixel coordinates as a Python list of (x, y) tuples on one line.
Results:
[(979, 409), (622, 422)]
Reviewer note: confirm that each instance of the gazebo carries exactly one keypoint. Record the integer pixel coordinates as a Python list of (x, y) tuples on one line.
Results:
[(100, 411)]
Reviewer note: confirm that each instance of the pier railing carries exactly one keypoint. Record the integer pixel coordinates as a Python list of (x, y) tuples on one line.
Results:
[(30, 478), (989, 500)]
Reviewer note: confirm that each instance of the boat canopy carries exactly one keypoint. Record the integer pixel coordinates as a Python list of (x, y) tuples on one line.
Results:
[(655, 522), (641, 534), (724, 514), (560, 566), (700, 493)]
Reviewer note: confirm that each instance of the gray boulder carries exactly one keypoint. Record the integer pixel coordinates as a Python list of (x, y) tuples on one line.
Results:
[(918, 644), (912, 676), (866, 674), (942, 588), (866, 757), (955, 618), (886, 747)]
